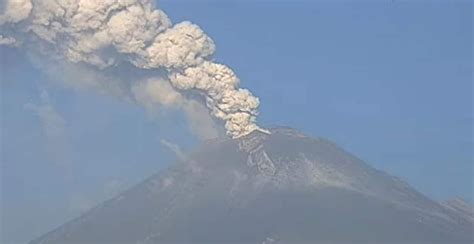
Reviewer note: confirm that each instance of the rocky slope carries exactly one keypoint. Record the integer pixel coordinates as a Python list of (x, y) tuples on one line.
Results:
[(283, 187)]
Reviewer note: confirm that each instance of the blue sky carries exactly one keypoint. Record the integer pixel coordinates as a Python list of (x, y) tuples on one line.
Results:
[(390, 81)]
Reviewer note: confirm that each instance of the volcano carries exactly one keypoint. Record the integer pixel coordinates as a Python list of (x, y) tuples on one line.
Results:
[(278, 187)]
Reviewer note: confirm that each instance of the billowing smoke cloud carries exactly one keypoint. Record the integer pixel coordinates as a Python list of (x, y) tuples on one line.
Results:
[(108, 33)]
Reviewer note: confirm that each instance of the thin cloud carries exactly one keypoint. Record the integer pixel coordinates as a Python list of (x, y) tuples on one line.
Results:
[(54, 129)]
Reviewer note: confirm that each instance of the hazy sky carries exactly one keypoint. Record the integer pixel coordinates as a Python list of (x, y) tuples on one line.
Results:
[(390, 81)]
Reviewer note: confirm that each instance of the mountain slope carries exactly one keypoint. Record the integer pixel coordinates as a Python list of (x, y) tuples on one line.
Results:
[(279, 188)]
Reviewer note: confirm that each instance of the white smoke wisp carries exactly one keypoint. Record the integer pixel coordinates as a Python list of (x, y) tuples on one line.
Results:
[(176, 149), (107, 33), (55, 131)]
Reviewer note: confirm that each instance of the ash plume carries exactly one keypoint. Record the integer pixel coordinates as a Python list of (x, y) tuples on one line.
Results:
[(103, 35)]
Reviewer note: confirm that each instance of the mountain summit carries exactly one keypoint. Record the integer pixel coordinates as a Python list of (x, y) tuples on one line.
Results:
[(278, 187)]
